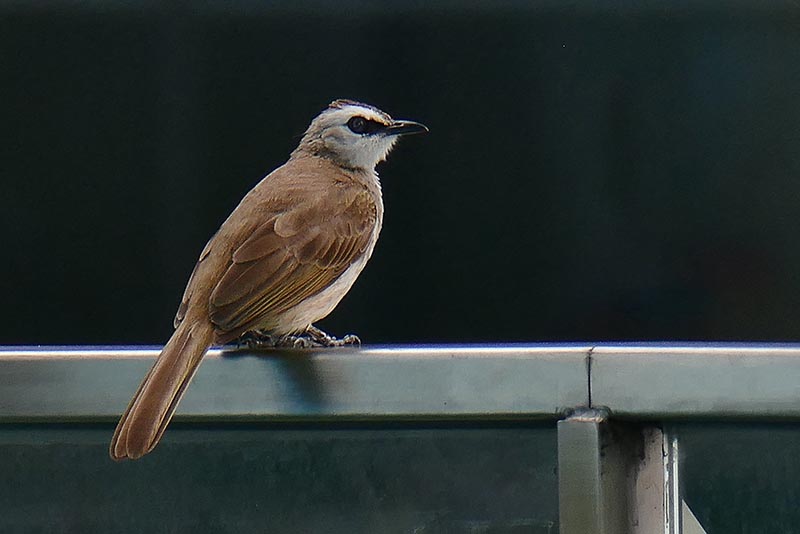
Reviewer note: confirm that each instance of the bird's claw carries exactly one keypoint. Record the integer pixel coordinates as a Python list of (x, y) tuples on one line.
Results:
[(324, 340), (352, 340)]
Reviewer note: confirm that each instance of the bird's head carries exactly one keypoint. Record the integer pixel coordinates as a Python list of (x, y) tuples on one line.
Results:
[(354, 135)]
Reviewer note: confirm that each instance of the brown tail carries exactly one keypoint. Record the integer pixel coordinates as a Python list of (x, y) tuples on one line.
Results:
[(151, 409)]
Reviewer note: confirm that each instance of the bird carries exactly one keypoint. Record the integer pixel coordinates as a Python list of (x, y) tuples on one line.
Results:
[(281, 261)]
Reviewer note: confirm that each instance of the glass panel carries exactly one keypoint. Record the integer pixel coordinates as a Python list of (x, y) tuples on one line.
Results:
[(740, 477), (370, 479)]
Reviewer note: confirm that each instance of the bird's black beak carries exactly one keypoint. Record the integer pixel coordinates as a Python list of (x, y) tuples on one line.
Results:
[(405, 128)]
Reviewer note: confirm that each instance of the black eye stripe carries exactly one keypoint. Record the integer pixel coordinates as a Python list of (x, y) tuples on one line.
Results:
[(361, 125)]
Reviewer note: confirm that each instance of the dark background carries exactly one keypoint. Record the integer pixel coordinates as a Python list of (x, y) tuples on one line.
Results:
[(594, 170)]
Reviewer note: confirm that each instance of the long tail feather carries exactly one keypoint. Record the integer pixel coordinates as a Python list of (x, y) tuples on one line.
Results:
[(143, 423)]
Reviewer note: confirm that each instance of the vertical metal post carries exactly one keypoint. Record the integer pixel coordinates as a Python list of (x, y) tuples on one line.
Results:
[(617, 478), (591, 489), (649, 489)]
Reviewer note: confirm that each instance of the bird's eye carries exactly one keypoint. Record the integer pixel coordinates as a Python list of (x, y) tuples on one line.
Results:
[(357, 125)]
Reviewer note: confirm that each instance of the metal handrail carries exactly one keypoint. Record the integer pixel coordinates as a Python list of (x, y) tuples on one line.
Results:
[(637, 381), (56, 384)]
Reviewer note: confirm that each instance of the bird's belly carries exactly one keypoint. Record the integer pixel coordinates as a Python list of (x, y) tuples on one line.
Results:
[(320, 305)]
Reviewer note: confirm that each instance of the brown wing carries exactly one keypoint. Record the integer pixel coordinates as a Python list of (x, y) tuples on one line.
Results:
[(291, 256)]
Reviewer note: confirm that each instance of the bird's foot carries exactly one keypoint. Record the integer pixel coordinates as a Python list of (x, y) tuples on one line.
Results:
[(313, 337), (324, 340), (257, 340)]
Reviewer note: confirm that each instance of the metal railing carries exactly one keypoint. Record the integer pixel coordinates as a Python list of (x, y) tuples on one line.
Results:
[(618, 469)]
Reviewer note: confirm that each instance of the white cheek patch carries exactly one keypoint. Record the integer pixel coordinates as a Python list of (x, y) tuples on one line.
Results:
[(359, 151)]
